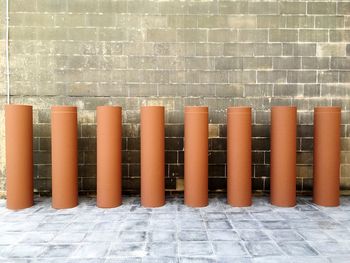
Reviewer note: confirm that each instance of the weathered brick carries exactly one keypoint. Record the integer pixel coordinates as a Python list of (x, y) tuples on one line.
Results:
[(161, 35), (309, 35), (301, 76), (271, 76), (286, 63), (282, 90), (229, 7), (300, 21), (222, 35), (292, 7), (343, 8), (339, 35), (253, 35), (315, 63), (191, 35), (328, 77), (331, 49), (228, 63), (271, 21), (283, 35), (321, 7), (262, 7), (83, 6), (299, 49), (329, 21)]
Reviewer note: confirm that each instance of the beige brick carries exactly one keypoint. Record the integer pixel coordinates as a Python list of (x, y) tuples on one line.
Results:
[(161, 35)]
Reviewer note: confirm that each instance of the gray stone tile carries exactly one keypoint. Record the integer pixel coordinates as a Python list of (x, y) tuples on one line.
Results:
[(339, 259), (223, 235), (330, 248), (339, 235), (149, 259), (214, 216), (162, 249), (315, 259), (282, 224), (267, 216), (197, 260), (239, 216), (263, 249), (139, 216), (271, 259), (285, 235), (68, 237), (190, 235), (104, 226), (131, 236), (314, 234), (253, 235), (234, 259), (191, 224), (124, 260), (91, 250), (218, 224), (162, 236), (11, 237), (127, 250), (195, 248), (167, 224), (58, 251), (78, 227), (25, 251), (229, 248), (100, 236), (246, 224), (301, 248), (134, 225)]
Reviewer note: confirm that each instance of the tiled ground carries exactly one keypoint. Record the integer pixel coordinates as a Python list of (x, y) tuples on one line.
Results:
[(176, 233)]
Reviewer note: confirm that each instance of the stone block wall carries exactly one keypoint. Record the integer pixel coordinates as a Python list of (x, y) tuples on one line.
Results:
[(175, 53)]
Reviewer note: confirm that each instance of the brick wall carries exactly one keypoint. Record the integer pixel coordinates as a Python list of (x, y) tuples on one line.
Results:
[(176, 53)]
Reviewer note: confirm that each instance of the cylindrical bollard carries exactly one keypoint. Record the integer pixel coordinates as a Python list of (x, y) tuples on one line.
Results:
[(326, 155), (19, 156), (196, 156), (152, 156), (239, 156), (283, 156), (109, 156), (64, 143)]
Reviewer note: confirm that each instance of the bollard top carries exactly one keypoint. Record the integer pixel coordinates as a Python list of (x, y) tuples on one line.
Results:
[(16, 106), (283, 108), (328, 109), (63, 109), (196, 109), (106, 107), (239, 109)]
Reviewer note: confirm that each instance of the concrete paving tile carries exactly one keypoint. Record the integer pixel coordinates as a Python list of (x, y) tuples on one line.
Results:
[(53, 251), (301, 248), (253, 235), (187, 248), (229, 248), (127, 249), (162, 249), (263, 249), (91, 250), (191, 235), (131, 236), (162, 236), (223, 235)]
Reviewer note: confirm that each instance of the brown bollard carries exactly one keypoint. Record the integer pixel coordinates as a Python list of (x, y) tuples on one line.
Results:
[(152, 156), (239, 156), (326, 155), (19, 156), (109, 156), (64, 129), (283, 156), (196, 156)]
